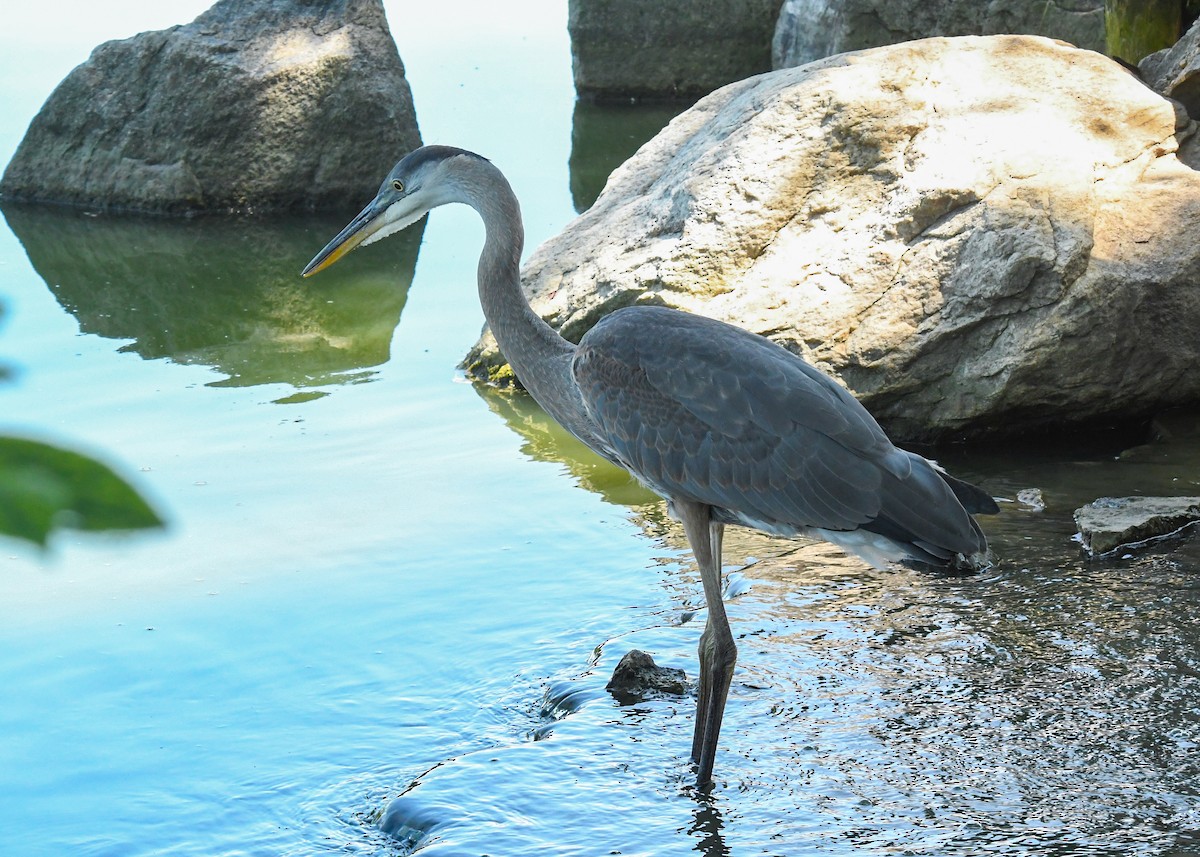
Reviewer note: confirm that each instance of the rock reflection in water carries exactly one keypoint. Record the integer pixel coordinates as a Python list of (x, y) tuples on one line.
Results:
[(604, 136), (222, 292)]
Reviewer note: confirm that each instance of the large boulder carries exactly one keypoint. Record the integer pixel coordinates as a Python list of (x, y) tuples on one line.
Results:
[(257, 104), (658, 50), (808, 30), (979, 235)]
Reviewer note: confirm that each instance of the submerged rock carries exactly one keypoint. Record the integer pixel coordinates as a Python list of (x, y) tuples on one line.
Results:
[(808, 30), (635, 49), (1109, 522), (637, 678), (563, 698), (410, 820), (979, 235), (257, 104), (1032, 499)]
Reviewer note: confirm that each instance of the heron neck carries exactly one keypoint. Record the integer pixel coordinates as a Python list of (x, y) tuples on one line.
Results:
[(538, 355)]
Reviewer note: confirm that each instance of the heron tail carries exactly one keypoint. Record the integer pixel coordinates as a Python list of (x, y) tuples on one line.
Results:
[(974, 500)]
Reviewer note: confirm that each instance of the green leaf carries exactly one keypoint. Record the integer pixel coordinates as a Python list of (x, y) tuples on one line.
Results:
[(44, 488)]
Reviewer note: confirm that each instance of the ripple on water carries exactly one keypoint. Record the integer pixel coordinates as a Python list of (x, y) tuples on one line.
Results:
[(1040, 712), (1026, 712)]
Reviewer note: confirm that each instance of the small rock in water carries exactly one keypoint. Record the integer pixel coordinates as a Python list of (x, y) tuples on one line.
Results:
[(1031, 498), (1112, 521), (637, 678)]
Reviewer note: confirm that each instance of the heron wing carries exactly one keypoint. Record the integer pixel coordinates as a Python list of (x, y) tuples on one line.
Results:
[(702, 410), (707, 411)]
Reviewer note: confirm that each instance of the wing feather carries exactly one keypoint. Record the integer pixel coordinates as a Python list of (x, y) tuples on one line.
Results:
[(702, 410)]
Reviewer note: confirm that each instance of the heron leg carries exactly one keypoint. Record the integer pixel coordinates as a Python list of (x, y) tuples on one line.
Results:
[(703, 692), (718, 653)]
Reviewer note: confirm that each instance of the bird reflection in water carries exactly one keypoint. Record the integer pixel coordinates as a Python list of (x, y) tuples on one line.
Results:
[(707, 825)]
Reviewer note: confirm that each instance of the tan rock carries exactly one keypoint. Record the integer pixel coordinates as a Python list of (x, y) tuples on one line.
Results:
[(979, 235)]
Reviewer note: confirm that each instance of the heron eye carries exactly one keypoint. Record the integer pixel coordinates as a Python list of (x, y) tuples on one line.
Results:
[(398, 185)]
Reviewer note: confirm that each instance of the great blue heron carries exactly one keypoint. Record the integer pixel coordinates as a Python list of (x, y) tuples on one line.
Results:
[(726, 425)]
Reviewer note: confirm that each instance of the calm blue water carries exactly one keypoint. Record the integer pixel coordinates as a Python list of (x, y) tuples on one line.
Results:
[(376, 576)]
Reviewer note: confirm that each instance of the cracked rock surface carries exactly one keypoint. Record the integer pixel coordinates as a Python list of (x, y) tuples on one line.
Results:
[(244, 109), (978, 235)]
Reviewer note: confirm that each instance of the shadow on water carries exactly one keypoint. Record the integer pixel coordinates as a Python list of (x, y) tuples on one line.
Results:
[(1047, 706), (223, 292)]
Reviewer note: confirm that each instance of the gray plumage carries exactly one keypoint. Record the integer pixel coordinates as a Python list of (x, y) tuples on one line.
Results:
[(703, 410), (729, 427)]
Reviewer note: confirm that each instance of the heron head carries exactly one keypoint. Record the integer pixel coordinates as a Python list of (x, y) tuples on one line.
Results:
[(418, 183)]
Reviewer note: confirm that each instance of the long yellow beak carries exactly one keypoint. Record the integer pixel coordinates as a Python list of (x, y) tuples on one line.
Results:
[(365, 224)]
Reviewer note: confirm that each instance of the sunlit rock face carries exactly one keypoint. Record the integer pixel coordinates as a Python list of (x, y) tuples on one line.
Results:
[(257, 104), (808, 30), (979, 235)]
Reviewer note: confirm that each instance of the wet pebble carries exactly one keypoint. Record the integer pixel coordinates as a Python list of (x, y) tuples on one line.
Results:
[(637, 678)]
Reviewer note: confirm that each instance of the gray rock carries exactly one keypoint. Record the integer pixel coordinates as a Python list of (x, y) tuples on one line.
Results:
[(257, 104), (637, 678), (651, 49), (1110, 522), (1175, 72), (811, 29), (979, 235)]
